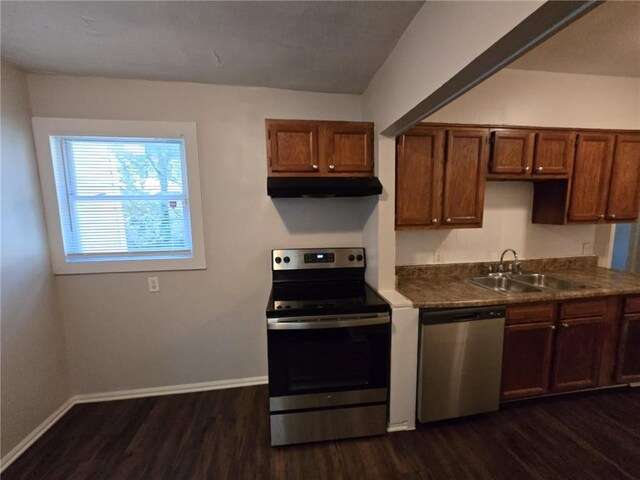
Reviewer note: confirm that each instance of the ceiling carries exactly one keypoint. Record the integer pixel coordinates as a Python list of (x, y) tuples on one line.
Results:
[(606, 41), (314, 46)]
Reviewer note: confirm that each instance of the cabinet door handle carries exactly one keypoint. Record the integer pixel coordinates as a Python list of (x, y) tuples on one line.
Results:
[(434, 220), (539, 169), (565, 325), (448, 220), (526, 169), (331, 167), (552, 327), (315, 167)]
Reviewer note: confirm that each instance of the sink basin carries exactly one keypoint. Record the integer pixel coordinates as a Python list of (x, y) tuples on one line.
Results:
[(504, 285), (541, 280)]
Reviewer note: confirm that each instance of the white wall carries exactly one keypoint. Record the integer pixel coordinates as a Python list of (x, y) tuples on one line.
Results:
[(202, 325), (523, 97), (35, 377), (442, 39)]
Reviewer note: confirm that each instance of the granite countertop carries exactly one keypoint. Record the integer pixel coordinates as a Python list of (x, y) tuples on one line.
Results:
[(444, 286)]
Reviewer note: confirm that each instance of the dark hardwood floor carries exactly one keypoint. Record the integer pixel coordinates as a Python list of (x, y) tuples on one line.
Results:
[(224, 434)]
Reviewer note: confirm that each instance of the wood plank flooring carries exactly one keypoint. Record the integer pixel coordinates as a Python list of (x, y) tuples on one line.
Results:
[(224, 434)]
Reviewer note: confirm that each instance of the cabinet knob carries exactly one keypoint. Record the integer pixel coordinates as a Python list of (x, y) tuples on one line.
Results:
[(434, 220), (315, 167), (565, 325), (539, 169), (613, 215), (331, 167), (552, 327), (601, 215), (526, 169), (448, 220)]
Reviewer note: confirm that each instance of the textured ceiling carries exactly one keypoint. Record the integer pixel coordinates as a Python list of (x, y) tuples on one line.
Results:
[(316, 46), (606, 41)]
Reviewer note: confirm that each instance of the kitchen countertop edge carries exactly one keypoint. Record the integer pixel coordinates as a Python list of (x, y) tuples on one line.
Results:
[(431, 292)]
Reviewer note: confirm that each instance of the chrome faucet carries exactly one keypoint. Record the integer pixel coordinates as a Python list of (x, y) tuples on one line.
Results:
[(516, 267)]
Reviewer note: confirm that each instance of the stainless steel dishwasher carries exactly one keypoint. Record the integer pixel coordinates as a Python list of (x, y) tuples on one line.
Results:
[(460, 365)]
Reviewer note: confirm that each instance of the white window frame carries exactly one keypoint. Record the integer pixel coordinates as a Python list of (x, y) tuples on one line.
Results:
[(46, 127)]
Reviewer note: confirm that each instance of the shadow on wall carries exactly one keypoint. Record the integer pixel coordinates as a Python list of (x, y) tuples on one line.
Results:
[(325, 215)]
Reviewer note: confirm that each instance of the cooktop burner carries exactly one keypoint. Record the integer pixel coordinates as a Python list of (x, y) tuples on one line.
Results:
[(317, 298), (321, 282)]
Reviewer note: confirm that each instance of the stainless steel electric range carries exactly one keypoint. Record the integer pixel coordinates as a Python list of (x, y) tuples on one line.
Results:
[(329, 337)]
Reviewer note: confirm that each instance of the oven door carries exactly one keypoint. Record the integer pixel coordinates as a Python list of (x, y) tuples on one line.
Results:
[(346, 355)]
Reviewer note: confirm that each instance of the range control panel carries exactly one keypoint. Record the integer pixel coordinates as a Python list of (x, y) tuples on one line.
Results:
[(308, 258)]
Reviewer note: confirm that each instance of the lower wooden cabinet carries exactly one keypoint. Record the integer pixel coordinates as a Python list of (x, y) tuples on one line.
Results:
[(628, 368), (550, 348), (526, 359), (578, 348)]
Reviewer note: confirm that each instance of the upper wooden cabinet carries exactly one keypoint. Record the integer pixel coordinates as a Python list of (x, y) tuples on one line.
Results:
[(553, 153), (579, 176), (511, 152), (419, 173), (348, 147), (292, 147), (440, 186), (319, 148), (604, 187), (624, 189), (523, 154), (591, 175), (464, 176)]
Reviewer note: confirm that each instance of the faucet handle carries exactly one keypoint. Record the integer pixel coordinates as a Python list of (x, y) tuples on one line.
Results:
[(489, 268)]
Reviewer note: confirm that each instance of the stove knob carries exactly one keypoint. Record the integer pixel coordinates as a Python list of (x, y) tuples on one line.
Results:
[(351, 258), (278, 260), (359, 258), (287, 306), (279, 307), (286, 259)]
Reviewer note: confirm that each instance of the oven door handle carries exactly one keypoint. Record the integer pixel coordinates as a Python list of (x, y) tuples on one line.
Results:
[(303, 323)]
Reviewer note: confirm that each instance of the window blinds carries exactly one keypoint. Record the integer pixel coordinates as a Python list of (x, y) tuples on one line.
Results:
[(122, 198)]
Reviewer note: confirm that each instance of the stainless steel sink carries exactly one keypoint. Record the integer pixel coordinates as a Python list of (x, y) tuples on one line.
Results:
[(547, 282), (504, 285)]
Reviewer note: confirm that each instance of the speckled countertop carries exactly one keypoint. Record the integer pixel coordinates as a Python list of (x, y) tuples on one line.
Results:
[(444, 286)]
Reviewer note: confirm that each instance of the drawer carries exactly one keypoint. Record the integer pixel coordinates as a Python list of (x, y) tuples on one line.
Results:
[(632, 305), (536, 312), (595, 307)]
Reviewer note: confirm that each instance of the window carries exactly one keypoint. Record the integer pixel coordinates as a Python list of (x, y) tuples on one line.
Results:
[(120, 196)]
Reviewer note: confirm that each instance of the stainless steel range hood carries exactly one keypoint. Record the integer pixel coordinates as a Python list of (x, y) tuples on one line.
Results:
[(287, 187)]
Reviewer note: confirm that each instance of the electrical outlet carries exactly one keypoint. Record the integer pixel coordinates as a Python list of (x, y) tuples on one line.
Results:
[(438, 257), (154, 284), (587, 248)]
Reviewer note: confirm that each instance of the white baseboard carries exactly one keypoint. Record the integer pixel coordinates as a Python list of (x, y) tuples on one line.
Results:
[(399, 427), (169, 390), (37, 432), (30, 439)]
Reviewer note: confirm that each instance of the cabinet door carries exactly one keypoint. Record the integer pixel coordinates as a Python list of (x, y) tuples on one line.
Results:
[(465, 170), (591, 174), (349, 148), (624, 189), (553, 153), (419, 178), (577, 354), (526, 360), (292, 146), (511, 152), (628, 367)]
